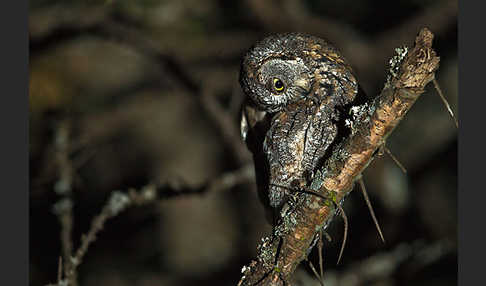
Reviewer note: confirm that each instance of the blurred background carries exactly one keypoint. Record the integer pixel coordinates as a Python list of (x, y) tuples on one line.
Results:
[(129, 93)]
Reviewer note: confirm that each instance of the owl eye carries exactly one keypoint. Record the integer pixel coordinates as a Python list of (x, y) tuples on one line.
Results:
[(278, 85)]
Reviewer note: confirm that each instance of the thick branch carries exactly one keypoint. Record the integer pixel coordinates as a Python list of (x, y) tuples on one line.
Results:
[(293, 237)]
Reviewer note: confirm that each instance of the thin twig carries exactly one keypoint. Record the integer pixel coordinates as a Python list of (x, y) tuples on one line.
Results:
[(86, 240), (370, 208), (223, 182), (410, 254), (320, 247), (59, 270), (63, 187), (345, 236), (319, 278), (394, 159), (120, 201), (444, 100)]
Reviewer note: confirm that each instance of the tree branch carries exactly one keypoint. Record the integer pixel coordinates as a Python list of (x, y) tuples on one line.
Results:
[(120, 201), (63, 187), (293, 237)]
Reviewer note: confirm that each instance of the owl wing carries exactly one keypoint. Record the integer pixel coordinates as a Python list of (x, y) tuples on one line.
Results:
[(254, 127)]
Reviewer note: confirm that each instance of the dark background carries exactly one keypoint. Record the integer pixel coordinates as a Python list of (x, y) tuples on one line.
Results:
[(133, 79)]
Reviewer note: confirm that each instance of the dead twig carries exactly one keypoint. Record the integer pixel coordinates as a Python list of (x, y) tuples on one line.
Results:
[(444, 100), (320, 246), (345, 235), (415, 255), (63, 187), (400, 165), (370, 208), (315, 273), (120, 201)]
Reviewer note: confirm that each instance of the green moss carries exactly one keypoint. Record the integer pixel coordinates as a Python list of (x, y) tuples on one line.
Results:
[(329, 203)]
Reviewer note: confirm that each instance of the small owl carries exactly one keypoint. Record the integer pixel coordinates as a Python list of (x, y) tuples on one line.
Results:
[(299, 89)]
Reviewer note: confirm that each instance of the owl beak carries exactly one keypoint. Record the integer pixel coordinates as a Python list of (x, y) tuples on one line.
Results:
[(303, 83)]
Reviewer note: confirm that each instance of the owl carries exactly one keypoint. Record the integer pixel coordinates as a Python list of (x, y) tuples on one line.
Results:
[(298, 93)]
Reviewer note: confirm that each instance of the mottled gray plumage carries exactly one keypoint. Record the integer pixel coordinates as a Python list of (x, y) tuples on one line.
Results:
[(290, 129)]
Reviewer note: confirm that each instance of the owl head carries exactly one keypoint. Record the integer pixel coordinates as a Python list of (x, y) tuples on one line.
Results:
[(280, 69)]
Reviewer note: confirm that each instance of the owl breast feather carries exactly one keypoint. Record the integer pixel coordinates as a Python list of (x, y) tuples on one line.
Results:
[(295, 145)]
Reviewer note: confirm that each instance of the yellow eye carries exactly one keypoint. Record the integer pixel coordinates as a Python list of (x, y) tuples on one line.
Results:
[(278, 85)]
